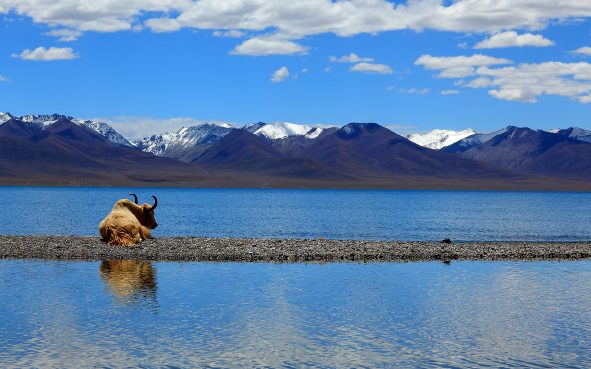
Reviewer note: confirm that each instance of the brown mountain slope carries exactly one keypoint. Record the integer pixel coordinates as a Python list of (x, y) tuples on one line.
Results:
[(26, 160), (293, 145), (371, 148), (237, 145), (66, 152), (536, 152), (15, 128), (359, 156)]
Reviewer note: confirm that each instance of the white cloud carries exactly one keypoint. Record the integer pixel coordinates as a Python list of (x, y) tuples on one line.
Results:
[(230, 33), (3, 79), (517, 94), (447, 62), (450, 92), (54, 53), (512, 39), (280, 74), (371, 68), (298, 18), (327, 69), (523, 82), (457, 72), (64, 35), (585, 50), (264, 46), (414, 91), (390, 88), (162, 25), (401, 130), (350, 59), (304, 70)]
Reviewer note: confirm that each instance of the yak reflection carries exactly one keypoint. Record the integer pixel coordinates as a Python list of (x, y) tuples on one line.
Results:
[(132, 282)]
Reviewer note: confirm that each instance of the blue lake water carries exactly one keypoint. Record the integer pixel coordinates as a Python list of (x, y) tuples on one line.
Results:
[(133, 314), (331, 214), (341, 315)]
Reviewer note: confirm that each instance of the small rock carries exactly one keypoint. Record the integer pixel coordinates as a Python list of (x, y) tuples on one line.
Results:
[(446, 240)]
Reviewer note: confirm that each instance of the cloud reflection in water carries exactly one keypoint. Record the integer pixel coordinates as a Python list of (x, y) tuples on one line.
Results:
[(466, 314)]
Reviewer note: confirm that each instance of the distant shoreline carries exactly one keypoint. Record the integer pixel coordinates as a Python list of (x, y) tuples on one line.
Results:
[(283, 250)]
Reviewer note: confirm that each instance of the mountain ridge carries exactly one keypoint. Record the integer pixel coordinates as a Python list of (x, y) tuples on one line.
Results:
[(357, 155)]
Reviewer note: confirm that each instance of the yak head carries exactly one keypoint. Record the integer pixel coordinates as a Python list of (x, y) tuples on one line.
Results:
[(146, 218)]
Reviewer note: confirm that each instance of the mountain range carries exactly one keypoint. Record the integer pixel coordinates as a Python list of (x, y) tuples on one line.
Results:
[(57, 149)]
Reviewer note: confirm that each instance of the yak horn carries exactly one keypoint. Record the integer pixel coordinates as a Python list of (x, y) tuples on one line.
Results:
[(134, 196), (155, 202)]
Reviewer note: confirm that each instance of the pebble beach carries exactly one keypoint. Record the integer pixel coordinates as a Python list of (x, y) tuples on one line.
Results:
[(282, 250)]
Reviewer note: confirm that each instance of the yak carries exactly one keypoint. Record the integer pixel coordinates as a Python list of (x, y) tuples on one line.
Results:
[(128, 223)]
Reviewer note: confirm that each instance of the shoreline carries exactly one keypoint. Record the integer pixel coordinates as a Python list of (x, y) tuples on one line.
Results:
[(225, 249)]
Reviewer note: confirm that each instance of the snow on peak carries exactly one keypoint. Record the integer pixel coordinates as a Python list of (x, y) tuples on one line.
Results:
[(43, 121), (278, 130), (5, 117), (104, 130), (40, 122), (572, 132), (185, 137), (254, 126), (478, 138), (438, 138)]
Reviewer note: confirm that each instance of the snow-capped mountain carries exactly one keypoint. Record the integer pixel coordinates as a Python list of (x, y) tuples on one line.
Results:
[(474, 140), (37, 122), (254, 126), (40, 122), (169, 142), (574, 132), (279, 130), (105, 130), (438, 138)]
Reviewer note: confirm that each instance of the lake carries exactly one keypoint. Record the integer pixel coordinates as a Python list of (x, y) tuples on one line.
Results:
[(343, 315), (139, 314), (396, 215)]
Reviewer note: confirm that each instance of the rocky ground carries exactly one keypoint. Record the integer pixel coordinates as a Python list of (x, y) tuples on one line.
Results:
[(281, 250)]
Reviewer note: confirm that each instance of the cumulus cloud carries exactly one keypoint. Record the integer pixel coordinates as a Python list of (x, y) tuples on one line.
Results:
[(458, 66), (350, 59), (299, 18), (229, 33), (53, 53), (64, 35), (162, 25), (3, 79), (263, 46), (512, 39), (525, 82), (585, 50), (280, 74), (371, 68)]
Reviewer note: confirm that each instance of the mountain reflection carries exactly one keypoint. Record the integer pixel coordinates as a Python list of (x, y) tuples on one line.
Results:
[(132, 282)]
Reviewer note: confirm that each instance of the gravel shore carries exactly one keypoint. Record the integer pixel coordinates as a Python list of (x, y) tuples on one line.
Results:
[(281, 250)]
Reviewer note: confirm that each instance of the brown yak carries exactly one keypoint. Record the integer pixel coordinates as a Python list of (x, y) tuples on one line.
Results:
[(128, 222)]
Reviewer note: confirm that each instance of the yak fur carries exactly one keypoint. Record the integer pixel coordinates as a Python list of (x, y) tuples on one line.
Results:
[(128, 223)]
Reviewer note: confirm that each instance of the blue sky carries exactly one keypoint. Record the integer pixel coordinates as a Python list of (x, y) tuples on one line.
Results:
[(148, 67)]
